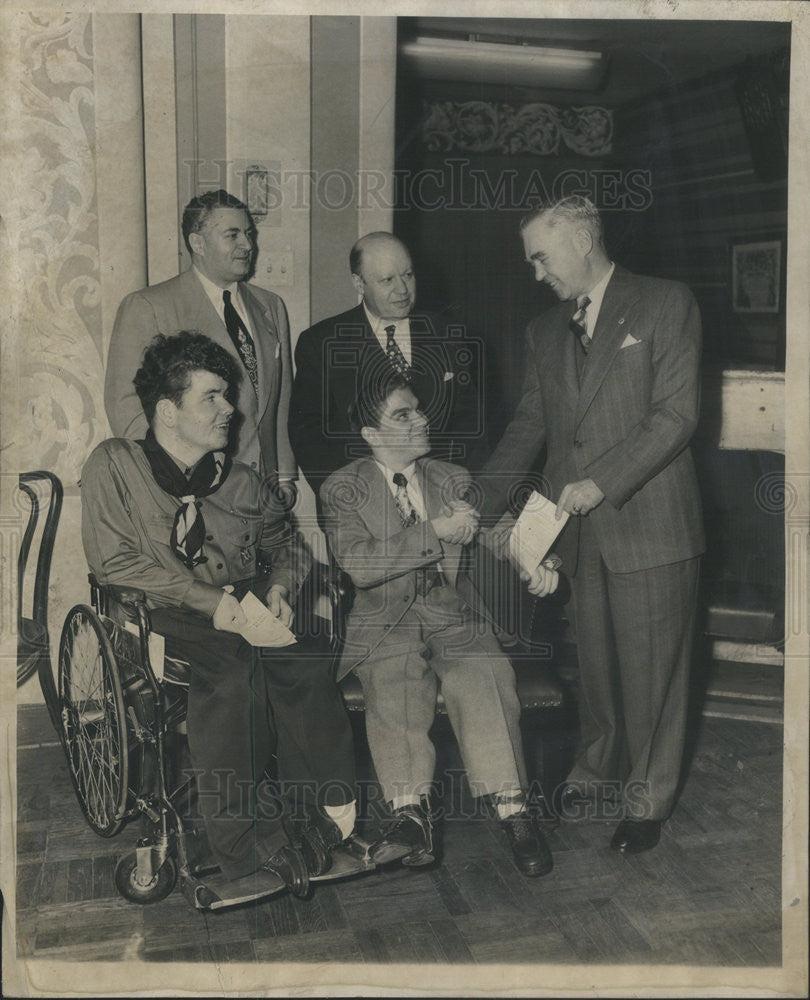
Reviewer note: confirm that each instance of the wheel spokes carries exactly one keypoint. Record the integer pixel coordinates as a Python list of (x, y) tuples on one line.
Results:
[(89, 718)]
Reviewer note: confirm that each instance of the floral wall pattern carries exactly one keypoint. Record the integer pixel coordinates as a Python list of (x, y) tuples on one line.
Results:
[(57, 248), (535, 128)]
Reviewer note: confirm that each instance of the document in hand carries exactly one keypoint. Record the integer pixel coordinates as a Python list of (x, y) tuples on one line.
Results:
[(262, 627), (535, 531)]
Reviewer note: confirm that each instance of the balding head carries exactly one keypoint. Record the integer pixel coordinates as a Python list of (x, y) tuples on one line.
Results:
[(383, 274)]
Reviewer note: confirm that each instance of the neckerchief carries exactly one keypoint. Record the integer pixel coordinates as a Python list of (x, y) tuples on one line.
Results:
[(188, 530)]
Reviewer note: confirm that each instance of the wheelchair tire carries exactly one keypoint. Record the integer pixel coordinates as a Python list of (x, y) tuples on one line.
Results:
[(161, 884), (93, 720)]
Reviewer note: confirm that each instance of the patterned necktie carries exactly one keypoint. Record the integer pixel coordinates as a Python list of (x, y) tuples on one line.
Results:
[(395, 355), (406, 509), (427, 577), (578, 324), (242, 340)]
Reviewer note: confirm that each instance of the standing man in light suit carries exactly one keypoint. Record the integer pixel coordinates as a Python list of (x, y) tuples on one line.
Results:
[(612, 390), (214, 298)]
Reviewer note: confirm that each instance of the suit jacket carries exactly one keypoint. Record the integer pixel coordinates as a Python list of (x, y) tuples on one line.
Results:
[(334, 357), (182, 304), (383, 558), (626, 426)]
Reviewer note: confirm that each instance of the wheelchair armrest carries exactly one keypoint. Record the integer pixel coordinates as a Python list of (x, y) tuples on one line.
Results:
[(126, 595), (109, 598)]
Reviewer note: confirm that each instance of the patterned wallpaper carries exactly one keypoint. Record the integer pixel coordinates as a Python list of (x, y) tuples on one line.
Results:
[(535, 128), (60, 336)]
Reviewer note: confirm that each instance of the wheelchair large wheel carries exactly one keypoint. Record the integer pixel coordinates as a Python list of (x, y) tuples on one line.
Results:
[(93, 720)]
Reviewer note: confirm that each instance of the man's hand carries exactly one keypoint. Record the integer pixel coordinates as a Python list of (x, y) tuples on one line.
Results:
[(543, 581), (458, 524), (579, 498), (276, 601), (229, 616)]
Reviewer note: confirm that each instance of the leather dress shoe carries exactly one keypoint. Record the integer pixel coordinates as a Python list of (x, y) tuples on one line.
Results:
[(408, 839), (570, 797), (633, 836), (290, 866), (529, 848), (318, 837)]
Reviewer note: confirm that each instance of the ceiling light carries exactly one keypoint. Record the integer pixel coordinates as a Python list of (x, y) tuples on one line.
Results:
[(508, 64)]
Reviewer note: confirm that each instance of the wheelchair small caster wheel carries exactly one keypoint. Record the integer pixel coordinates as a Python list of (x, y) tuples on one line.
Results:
[(151, 891)]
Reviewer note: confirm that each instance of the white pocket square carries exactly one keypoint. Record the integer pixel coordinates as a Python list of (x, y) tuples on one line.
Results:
[(629, 340), (447, 376)]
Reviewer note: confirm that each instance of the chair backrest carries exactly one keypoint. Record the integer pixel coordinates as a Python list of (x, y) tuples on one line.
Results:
[(32, 632)]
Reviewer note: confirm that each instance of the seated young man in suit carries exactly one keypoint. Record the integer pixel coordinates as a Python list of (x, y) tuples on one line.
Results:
[(174, 516), (397, 526)]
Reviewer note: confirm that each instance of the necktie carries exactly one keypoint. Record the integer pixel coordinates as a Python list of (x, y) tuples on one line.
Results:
[(427, 577), (395, 355), (242, 340), (406, 509), (578, 324), (188, 530)]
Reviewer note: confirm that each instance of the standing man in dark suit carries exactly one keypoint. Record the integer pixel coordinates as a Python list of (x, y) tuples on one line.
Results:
[(612, 391), (213, 297), (336, 358)]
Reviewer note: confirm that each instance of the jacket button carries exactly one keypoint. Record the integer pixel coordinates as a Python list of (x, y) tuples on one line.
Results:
[(247, 538), (406, 598), (209, 538), (219, 565)]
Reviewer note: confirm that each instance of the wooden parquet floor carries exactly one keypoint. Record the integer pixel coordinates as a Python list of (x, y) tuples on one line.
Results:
[(709, 894)]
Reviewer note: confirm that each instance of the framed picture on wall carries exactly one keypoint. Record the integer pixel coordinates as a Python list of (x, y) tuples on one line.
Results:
[(756, 276)]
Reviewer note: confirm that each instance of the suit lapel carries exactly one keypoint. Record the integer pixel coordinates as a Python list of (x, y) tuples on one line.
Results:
[(569, 355), (205, 318), (608, 336), (382, 509), (431, 486)]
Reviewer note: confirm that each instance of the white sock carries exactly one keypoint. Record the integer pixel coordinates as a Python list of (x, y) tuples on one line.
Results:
[(344, 817), (399, 801), (509, 804)]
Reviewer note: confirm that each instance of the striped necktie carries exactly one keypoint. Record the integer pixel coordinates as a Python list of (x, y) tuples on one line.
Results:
[(578, 324)]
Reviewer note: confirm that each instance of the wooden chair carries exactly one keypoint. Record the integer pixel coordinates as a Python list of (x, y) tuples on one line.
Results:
[(33, 639)]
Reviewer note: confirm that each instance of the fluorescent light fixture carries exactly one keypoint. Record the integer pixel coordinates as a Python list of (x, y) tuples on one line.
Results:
[(495, 62)]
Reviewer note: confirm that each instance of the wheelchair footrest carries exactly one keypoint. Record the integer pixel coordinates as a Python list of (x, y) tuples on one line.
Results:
[(350, 858), (217, 892)]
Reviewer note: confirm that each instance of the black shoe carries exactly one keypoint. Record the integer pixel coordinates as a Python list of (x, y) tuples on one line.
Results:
[(408, 839), (633, 836), (529, 848), (570, 798), (318, 837), (288, 863)]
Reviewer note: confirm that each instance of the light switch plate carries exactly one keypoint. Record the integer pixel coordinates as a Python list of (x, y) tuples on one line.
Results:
[(277, 266)]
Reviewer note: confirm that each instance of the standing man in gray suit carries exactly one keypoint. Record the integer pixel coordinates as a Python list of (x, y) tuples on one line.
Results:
[(214, 298), (612, 391)]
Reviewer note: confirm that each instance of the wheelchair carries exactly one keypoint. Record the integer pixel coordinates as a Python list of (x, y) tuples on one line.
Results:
[(119, 705)]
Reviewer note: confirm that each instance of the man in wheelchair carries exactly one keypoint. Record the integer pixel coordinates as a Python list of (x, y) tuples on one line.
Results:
[(175, 517)]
